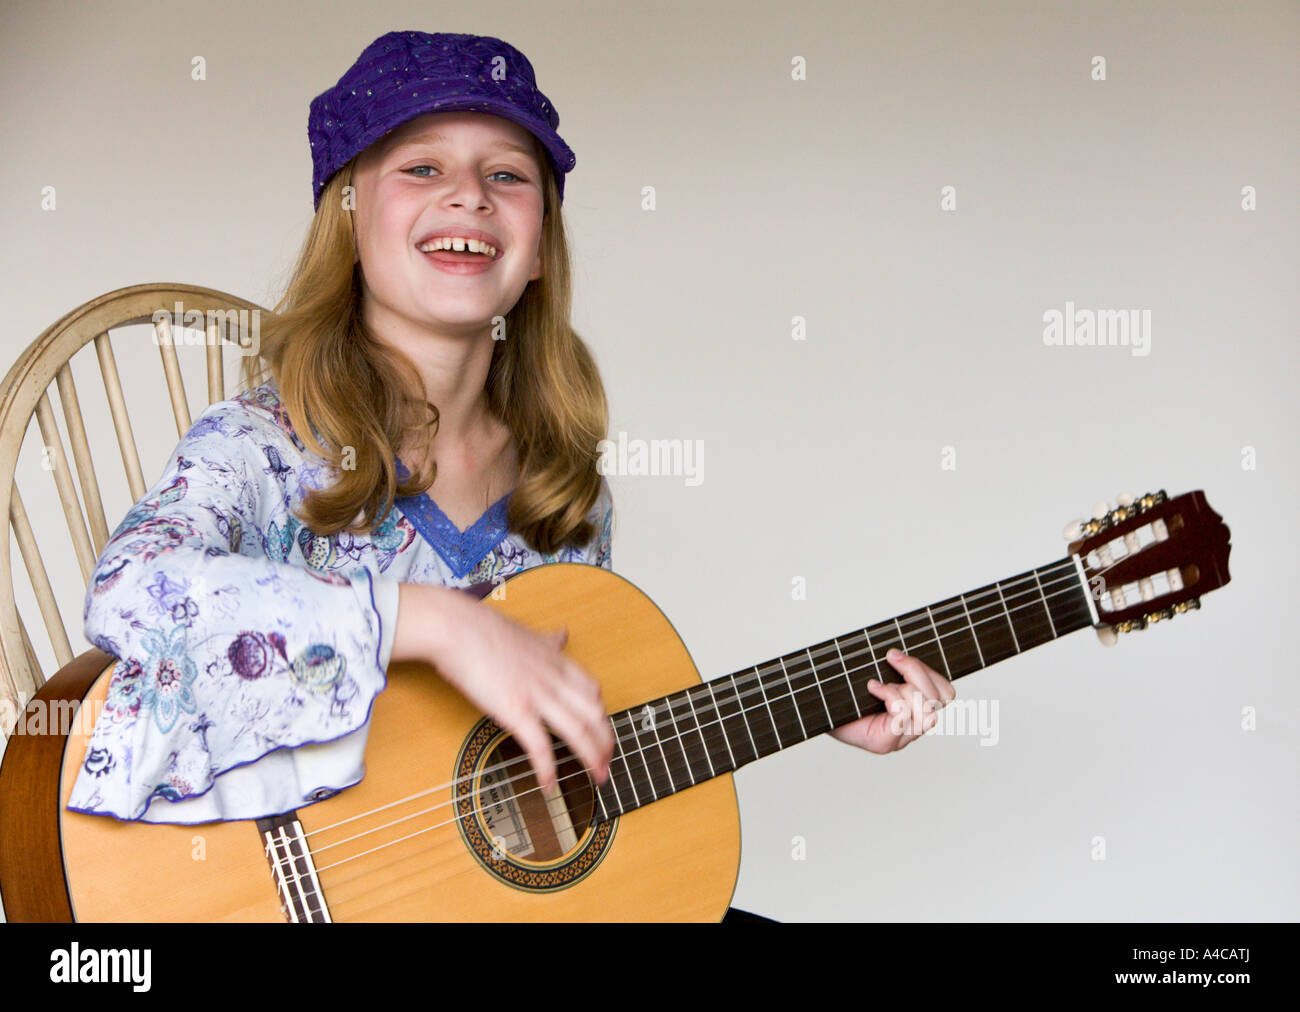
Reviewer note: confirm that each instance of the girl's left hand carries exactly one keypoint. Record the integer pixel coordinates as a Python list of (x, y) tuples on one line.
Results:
[(919, 697)]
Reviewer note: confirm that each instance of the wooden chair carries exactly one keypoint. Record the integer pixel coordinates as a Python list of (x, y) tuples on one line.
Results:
[(225, 320)]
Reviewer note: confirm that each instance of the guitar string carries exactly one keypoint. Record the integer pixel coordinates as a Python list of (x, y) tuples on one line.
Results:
[(760, 686), (470, 867), (350, 902), (294, 879), (282, 887), (278, 839), (787, 725), (1059, 577), (714, 727)]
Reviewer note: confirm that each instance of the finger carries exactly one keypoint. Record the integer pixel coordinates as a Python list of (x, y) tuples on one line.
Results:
[(920, 674), (581, 681), (895, 705), (536, 742), (581, 694), (916, 713), (579, 735), (918, 709)]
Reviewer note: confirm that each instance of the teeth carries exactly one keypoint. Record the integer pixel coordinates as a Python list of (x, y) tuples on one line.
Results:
[(459, 244)]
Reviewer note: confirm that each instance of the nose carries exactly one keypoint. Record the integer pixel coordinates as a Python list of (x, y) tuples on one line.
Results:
[(467, 190)]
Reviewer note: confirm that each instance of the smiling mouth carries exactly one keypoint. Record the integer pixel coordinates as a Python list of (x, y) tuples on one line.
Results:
[(470, 246), (460, 262)]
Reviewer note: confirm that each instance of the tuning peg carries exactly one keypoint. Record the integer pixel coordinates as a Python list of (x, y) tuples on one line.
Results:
[(1126, 499), (1100, 509), (1107, 635), (1073, 530)]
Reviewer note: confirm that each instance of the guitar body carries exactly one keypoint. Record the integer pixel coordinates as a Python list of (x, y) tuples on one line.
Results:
[(389, 849)]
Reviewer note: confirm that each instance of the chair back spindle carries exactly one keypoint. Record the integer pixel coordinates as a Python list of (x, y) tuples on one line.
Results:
[(25, 397)]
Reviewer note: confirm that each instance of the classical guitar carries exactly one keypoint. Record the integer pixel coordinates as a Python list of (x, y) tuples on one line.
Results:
[(449, 822)]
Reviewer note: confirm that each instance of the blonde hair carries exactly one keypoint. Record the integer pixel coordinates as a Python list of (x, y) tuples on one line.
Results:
[(342, 388)]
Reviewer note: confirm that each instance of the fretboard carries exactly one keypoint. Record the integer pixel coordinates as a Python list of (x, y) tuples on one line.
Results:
[(671, 743)]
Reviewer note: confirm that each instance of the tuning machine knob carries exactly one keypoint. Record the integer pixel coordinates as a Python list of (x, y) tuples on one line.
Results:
[(1160, 615)]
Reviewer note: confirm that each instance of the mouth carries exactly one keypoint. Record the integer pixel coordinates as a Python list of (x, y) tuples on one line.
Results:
[(461, 245)]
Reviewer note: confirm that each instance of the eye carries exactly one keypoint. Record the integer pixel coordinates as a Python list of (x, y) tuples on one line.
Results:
[(514, 177)]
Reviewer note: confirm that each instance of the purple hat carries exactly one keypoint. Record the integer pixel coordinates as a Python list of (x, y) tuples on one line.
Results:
[(403, 75)]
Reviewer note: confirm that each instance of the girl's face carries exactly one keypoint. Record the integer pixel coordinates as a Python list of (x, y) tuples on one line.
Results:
[(464, 171)]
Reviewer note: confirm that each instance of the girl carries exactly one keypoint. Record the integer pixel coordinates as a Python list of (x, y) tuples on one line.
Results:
[(292, 551)]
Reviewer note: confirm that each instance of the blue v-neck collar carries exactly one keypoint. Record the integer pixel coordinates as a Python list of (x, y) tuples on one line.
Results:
[(461, 550)]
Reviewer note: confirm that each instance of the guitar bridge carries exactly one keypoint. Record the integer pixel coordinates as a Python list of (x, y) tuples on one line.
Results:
[(301, 898)]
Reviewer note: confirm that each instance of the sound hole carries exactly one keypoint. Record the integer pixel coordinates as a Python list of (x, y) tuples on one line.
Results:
[(524, 822)]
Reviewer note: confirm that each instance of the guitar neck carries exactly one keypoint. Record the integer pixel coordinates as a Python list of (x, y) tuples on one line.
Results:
[(668, 744)]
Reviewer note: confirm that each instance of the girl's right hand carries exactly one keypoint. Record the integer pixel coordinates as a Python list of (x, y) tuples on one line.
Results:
[(519, 677)]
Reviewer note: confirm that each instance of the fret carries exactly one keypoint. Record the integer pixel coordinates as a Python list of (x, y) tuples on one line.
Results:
[(676, 738), (837, 691), (752, 697), (656, 779), (882, 640), (924, 648), (794, 699), (650, 713), (957, 637), (611, 805), (939, 642), (806, 694), (1028, 611), (724, 733), (1046, 608), (699, 727), (992, 625), (1067, 601), (887, 670), (775, 686), (973, 637), (713, 736), (691, 738), (862, 666), (817, 678), (849, 681), (1010, 624), (735, 709), (876, 673), (612, 783)]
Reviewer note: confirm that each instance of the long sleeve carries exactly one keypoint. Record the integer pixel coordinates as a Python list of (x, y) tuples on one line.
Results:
[(602, 549), (228, 651)]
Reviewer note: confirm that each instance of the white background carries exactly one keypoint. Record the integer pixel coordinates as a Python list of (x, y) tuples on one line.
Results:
[(820, 199)]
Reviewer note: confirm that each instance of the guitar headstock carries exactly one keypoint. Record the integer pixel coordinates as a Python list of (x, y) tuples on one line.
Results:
[(1149, 559)]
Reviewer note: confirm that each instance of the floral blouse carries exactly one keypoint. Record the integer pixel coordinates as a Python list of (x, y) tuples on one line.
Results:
[(251, 648)]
